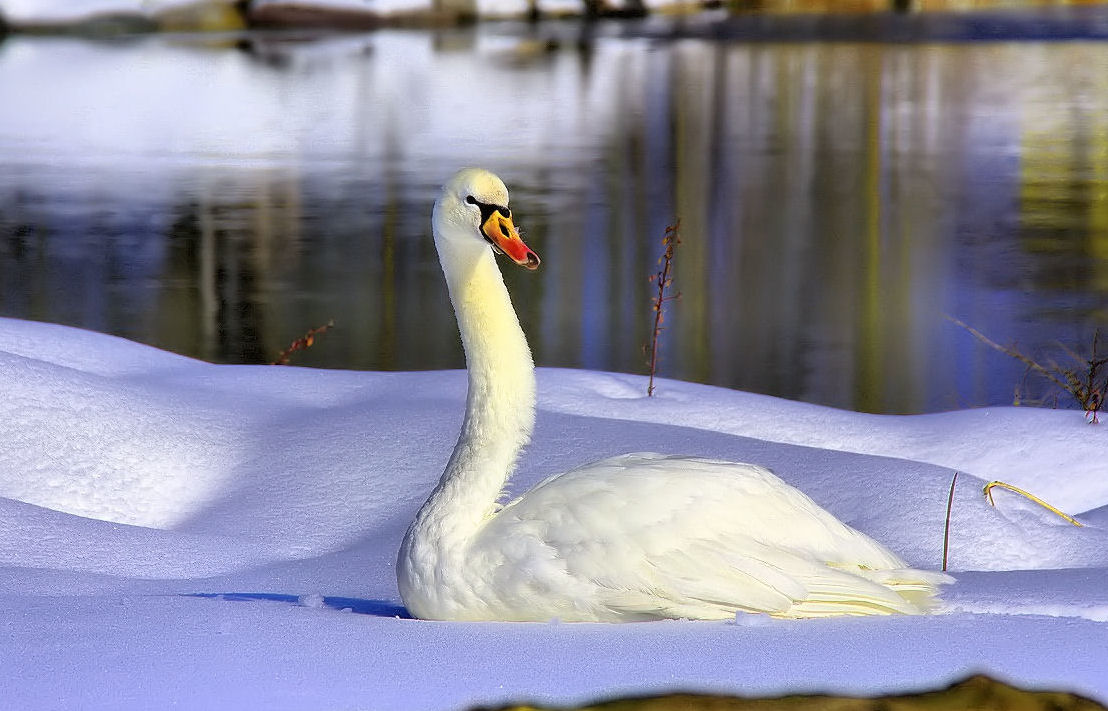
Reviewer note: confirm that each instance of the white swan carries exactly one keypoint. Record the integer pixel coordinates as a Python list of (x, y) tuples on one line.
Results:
[(635, 537)]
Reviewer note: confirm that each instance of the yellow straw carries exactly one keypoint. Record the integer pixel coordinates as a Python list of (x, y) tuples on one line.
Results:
[(989, 495)]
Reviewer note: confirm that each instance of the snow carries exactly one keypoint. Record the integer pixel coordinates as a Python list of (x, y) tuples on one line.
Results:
[(25, 11), (186, 535), (63, 11), (485, 8)]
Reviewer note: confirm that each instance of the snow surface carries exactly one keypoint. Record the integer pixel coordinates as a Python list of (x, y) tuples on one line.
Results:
[(61, 11), (485, 8), (176, 534), (27, 11)]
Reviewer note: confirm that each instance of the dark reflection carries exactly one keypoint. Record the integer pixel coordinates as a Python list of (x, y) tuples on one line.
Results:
[(836, 202), (213, 298)]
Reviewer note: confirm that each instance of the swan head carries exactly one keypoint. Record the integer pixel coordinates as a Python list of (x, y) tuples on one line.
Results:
[(472, 213)]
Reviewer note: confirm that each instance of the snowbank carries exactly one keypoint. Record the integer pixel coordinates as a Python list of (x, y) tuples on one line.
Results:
[(121, 16), (27, 11), (180, 534), (216, 14)]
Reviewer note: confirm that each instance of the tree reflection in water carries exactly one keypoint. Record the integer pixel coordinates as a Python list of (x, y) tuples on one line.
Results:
[(836, 200)]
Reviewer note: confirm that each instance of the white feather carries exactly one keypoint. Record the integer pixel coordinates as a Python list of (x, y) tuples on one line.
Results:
[(634, 537)]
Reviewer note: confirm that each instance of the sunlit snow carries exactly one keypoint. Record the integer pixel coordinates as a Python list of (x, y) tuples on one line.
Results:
[(186, 535), (60, 11), (76, 10)]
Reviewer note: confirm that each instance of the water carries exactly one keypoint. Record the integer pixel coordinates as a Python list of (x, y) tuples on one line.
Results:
[(218, 197)]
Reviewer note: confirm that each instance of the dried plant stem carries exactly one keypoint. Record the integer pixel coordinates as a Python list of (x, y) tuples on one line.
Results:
[(1095, 393), (1003, 485), (946, 531), (303, 343), (663, 280), (1085, 384), (1041, 370)]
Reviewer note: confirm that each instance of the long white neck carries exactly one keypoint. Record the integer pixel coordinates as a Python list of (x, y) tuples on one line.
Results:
[(500, 405)]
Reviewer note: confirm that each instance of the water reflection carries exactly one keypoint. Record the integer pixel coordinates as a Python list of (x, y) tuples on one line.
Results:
[(836, 200)]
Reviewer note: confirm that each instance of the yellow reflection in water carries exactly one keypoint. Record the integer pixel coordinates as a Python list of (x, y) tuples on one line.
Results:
[(1064, 170), (836, 201)]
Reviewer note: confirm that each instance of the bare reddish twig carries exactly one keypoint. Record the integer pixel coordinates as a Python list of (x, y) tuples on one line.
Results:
[(303, 343), (663, 279)]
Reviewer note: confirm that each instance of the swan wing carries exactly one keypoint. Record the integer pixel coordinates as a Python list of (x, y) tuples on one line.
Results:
[(643, 536)]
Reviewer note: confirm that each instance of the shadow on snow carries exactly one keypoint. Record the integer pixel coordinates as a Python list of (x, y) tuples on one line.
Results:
[(377, 608)]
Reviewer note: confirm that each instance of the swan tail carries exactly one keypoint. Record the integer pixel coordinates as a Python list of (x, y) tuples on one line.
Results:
[(905, 591), (920, 588)]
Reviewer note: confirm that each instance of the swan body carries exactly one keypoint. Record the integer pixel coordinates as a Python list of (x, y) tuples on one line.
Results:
[(635, 537)]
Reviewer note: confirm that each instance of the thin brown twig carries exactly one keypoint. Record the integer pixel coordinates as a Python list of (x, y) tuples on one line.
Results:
[(662, 278), (1082, 382), (1041, 370), (946, 531), (303, 343)]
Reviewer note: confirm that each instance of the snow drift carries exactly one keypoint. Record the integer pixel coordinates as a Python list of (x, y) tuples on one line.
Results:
[(181, 534)]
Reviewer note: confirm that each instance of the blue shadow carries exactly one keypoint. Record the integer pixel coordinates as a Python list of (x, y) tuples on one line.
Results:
[(377, 608)]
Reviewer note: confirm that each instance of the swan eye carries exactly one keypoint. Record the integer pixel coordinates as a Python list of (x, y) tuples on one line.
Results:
[(470, 200)]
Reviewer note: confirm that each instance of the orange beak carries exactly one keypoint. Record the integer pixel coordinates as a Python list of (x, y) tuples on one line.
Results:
[(504, 237)]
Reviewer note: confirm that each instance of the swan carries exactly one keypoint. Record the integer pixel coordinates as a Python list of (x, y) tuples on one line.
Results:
[(635, 537)]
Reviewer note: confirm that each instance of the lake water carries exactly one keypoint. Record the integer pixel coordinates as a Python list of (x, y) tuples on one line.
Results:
[(218, 196)]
